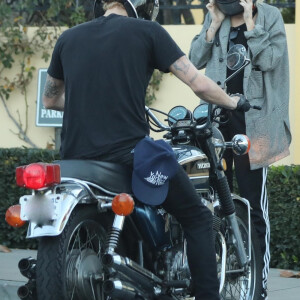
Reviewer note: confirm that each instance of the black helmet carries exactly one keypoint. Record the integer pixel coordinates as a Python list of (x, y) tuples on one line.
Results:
[(143, 9), (230, 7)]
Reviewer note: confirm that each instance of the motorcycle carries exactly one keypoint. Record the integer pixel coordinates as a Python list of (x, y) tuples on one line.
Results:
[(96, 242)]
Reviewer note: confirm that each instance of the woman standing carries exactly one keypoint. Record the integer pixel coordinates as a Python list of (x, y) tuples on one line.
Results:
[(259, 27)]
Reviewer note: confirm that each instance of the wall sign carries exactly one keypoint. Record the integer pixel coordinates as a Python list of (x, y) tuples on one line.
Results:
[(46, 117)]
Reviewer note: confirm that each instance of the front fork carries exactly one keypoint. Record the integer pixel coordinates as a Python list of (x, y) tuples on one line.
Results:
[(227, 204), (228, 210)]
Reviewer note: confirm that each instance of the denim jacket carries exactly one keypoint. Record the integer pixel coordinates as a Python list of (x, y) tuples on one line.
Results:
[(266, 81)]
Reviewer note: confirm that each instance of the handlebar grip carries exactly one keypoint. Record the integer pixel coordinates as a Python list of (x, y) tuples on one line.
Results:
[(256, 107)]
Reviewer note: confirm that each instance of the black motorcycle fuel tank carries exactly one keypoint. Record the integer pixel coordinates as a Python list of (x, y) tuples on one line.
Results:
[(195, 163), (152, 225)]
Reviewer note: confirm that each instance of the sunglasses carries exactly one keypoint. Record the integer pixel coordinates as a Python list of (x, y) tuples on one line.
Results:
[(232, 36)]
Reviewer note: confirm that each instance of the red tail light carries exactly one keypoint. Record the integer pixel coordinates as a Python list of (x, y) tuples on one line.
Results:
[(38, 175)]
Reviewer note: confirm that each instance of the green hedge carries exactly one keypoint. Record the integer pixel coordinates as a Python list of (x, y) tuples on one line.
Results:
[(284, 210), (283, 193)]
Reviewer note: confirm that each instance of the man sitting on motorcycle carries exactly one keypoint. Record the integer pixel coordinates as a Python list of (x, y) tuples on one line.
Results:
[(98, 76)]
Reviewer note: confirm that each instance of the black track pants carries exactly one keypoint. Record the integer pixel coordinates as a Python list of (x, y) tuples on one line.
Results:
[(252, 186)]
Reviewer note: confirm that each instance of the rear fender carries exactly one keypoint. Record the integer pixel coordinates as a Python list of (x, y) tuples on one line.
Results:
[(53, 209)]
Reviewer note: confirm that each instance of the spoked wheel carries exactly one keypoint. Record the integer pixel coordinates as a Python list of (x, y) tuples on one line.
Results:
[(243, 285), (69, 266)]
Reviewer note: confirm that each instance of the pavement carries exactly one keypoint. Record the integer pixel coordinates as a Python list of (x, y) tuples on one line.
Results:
[(279, 288)]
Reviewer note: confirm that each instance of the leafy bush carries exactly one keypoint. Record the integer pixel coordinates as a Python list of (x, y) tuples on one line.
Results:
[(284, 210)]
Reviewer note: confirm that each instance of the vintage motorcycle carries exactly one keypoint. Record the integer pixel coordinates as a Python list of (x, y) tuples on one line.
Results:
[(96, 242)]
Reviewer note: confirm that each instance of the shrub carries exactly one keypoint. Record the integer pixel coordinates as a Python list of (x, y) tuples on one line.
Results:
[(284, 210)]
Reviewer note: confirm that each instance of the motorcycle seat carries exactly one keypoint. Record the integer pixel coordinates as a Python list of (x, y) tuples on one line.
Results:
[(113, 177)]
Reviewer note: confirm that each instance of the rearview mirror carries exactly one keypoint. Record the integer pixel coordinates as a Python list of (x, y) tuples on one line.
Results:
[(236, 57)]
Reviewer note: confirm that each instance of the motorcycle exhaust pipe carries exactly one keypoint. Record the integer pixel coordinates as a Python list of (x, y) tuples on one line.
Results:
[(131, 269), (27, 267), (119, 290), (27, 291)]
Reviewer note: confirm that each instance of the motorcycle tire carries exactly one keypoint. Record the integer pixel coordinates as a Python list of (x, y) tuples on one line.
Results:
[(68, 265), (247, 285)]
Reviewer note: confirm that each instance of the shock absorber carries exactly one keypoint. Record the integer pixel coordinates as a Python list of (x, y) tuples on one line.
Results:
[(113, 236)]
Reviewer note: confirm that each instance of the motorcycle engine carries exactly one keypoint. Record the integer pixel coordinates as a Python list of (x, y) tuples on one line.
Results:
[(179, 267)]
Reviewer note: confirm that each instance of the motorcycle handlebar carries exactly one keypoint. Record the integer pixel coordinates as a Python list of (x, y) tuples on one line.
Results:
[(156, 120), (168, 128)]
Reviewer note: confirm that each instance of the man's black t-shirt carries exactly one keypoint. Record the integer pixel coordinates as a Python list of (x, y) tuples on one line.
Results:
[(106, 65)]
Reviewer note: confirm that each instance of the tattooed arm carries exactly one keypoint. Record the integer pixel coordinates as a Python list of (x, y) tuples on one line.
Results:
[(202, 86), (54, 96)]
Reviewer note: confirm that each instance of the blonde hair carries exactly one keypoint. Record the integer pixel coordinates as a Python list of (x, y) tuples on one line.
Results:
[(112, 4)]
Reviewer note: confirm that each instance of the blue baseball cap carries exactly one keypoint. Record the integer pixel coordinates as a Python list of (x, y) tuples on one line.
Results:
[(154, 164)]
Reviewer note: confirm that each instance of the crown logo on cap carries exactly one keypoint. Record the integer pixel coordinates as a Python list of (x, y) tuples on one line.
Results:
[(156, 178)]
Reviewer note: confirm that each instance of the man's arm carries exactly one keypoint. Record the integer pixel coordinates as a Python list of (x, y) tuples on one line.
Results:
[(54, 94), (202, 86)]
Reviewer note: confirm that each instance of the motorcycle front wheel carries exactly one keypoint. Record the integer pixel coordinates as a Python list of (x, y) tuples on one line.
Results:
[(69, 266), (242, 285)]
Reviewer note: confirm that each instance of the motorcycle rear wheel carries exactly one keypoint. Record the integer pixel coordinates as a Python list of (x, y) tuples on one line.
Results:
[(69, 266), (239, 286)]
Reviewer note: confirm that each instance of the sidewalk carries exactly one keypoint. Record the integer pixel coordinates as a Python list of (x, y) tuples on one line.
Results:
[(10, 278)]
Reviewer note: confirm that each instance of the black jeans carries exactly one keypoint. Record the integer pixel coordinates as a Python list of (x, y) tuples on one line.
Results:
[(196, 220)]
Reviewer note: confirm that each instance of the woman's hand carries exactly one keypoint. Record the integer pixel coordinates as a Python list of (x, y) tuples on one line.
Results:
[(216, 15), (248, 10), (217, 18)]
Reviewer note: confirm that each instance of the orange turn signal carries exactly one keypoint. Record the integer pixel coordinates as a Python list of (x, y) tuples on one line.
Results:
[(122, 204), (12, 216)]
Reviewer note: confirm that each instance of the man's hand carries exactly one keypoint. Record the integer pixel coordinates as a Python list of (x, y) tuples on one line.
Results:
[(243, 104)]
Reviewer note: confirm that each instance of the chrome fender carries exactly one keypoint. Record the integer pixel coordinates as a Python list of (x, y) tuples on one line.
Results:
[(61, 213), (245, 202), (49, 213)]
